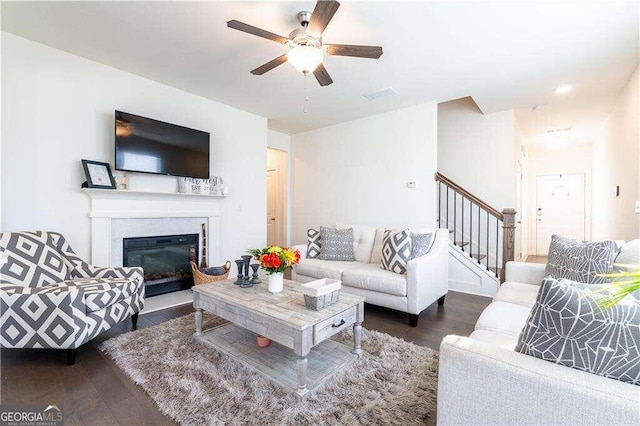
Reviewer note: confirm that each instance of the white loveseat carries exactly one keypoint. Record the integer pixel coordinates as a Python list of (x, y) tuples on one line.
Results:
[(482, 380), (425, 282)]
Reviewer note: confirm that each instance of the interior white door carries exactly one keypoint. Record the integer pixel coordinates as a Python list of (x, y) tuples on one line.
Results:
[(560, 208), (519, 252), (272, 206)]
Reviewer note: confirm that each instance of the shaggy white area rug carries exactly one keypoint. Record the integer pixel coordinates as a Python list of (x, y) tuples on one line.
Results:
[(394, 382)]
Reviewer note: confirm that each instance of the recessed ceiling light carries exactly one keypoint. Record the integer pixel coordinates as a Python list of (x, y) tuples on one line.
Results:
[(563, 90)]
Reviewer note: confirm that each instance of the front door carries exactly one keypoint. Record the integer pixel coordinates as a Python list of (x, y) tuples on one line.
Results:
[(560, 208)]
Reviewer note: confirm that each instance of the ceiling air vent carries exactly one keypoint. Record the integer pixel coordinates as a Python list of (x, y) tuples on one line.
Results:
[(556, 131), (389, 91)]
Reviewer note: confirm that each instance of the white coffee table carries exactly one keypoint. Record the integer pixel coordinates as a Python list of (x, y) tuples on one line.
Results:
[(283, 318)]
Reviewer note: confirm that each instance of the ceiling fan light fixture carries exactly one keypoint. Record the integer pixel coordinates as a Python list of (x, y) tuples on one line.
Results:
[(305, 58), (307, 50)]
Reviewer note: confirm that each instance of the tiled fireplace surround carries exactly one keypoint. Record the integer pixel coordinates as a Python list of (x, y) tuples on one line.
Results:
[(121, 214)]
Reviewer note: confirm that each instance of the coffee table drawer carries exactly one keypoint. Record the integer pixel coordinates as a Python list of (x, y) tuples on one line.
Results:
[(333, 325)]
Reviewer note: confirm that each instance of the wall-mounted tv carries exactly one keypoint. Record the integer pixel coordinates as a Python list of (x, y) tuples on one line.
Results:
[(151, 146)]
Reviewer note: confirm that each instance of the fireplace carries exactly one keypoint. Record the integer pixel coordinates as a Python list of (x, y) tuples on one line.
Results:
[(165, 260)]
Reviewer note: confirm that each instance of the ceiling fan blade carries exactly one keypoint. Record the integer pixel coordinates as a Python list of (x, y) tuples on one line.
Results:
[(321, 16), (372, 52), (322, 76), (241, 26), (270, 65)]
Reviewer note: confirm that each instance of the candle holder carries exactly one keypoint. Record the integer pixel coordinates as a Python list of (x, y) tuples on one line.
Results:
[(240, 263), (254, 278), (246, 259)]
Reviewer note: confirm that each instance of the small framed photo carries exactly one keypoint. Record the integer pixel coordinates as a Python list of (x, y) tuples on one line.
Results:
[(98, 175)]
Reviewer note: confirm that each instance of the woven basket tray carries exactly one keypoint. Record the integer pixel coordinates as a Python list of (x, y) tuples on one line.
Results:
[(318, 303), (200, 278)]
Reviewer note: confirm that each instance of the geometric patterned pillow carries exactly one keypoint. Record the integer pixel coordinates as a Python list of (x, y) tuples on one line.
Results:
[(313, 244), (567, 327), (580, 262), (337, 244), (421, 244), (396, 251)]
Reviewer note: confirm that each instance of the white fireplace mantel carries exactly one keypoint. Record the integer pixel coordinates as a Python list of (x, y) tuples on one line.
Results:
[(107, 205)]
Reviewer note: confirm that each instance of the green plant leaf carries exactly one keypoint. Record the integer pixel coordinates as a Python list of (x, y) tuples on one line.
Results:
[(624, 283)]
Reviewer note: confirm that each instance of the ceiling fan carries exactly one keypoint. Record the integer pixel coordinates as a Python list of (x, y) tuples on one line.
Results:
[(307, 50)]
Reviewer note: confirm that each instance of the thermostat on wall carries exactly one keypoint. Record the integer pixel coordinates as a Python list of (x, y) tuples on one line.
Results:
[(411, 184)]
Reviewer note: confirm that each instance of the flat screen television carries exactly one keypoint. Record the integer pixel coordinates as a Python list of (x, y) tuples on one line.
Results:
[(151, 146)]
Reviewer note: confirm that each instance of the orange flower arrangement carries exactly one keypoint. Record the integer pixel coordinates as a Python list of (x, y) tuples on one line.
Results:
[(275, 258)]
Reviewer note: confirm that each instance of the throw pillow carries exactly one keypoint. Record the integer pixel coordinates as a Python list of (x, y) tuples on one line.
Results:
[(628, 259), (421, 244), (313, 244), (581, 262), (629, 254), (567, 327), (214, 270), (363, 237), (337, 244), (396, 251)]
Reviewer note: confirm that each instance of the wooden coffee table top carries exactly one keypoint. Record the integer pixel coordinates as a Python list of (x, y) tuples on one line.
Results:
[(286, 307)]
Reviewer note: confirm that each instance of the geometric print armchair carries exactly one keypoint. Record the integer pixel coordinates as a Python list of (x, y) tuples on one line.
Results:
[(50, 298)]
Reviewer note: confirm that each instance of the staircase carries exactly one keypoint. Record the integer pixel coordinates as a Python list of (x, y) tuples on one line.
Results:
[(481, 235)]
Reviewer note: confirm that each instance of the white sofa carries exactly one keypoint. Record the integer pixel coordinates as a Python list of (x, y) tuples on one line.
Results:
[(482, 380), (425, 282)]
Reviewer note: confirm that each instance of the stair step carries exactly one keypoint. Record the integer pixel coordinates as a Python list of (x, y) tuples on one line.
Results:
[(495, 270), (480, 257), (461, 244), (451, 231)]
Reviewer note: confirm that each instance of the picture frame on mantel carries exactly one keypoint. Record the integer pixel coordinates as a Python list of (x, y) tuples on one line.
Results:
[(98, 175)]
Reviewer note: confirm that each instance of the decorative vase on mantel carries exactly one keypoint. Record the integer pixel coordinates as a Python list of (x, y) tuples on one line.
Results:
[(276, 282)]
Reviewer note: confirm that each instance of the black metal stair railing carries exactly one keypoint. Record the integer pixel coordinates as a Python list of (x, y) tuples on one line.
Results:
[(476, 228)]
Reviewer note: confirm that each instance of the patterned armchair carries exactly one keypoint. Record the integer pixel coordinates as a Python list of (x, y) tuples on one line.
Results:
[(50, 298)]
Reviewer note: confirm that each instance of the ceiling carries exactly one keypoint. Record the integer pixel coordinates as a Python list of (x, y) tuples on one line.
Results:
[(504, 55)]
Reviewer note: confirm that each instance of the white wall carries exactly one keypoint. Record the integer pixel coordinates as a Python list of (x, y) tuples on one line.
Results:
[(282, 142), (58, 108), (357, 172), (568, 160), (617, 162), (278, 140), (479, 151), (1, 132)]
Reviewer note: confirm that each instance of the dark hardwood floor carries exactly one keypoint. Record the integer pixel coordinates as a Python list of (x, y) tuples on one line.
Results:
[(95, 392)]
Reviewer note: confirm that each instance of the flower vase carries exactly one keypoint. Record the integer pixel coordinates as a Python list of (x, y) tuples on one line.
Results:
[(276, 282)]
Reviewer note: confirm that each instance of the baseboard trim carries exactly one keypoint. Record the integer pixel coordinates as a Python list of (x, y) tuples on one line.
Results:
[(471, 293), (165, 301)]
